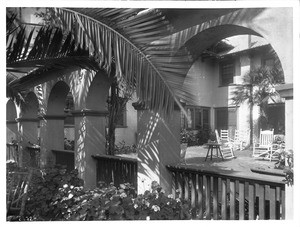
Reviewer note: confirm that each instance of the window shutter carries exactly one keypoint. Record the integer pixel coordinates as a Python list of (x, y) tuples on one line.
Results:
[(227, 72)]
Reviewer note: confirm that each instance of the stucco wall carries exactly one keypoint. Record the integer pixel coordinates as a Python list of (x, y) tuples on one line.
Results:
[(200, 80), (203, 78)]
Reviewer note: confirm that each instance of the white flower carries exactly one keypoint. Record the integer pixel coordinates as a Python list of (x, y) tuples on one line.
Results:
[(155, 208), (170, 196), (177, 200), (123, 195), (70, 196), (65, 186), (135, 206), (147, 203)]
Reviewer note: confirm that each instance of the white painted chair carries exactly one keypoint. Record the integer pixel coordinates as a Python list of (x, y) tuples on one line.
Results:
[(264, 147), (224, 135), (241, 138), (226, 146)]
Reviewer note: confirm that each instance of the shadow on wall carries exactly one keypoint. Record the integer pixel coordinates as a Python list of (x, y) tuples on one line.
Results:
[(158, 146), (148, 141), (80, 151), (80, 82)]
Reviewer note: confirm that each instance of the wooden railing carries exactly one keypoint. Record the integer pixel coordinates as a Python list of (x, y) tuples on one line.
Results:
[(117, 170), (222, 196)]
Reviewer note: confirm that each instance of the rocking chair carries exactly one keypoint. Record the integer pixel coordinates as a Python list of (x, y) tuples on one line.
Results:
[(226, 146), (264, 148)]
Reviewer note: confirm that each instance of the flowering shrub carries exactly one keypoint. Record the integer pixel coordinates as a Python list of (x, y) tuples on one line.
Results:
[(60, 196), (44, 187), (157, 206), (286, 157)]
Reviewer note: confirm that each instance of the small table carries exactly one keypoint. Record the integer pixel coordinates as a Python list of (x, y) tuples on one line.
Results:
[(211, 147)]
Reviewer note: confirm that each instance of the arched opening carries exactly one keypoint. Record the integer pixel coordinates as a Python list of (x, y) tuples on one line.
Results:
[(69, 130), (223, 56), (57, 99), (60, 126)]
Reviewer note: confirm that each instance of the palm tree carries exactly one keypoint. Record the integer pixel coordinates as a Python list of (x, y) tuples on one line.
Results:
[(257, 88)]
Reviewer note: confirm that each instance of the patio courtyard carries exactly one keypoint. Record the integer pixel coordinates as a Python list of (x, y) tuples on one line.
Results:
[(241, 165), (102, 102)]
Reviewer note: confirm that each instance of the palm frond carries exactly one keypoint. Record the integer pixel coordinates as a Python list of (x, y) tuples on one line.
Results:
[(135, 41), (50, 50)]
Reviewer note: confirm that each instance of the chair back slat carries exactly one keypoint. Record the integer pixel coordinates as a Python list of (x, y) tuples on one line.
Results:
[(266, 137), (224, 135)]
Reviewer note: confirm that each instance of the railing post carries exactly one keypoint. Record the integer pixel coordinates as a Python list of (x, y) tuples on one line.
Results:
[(200, 195), (241, 200), (262, 203), (215, 198), (224, 199), (207, 196), (232, 200), (251, 199)]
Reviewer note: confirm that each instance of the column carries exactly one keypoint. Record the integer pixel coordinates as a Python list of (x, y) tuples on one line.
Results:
[(51, 137), (286, 91), (28, 135), (89, 140), (158, 145)]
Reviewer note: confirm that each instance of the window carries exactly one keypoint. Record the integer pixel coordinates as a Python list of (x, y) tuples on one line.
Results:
[(268, 62), (225, 118), (226, 72), (199, 117)]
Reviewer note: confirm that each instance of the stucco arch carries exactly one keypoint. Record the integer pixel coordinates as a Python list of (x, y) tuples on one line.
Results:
[(202, 40), (57, 98), (31, 106), (98, 92), (273, 24)]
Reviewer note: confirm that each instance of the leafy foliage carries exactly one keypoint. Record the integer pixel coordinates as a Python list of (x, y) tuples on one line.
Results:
[(122, 148), (186, 136), (44, 188), (57, 195), (286, 162), (196, 137)]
